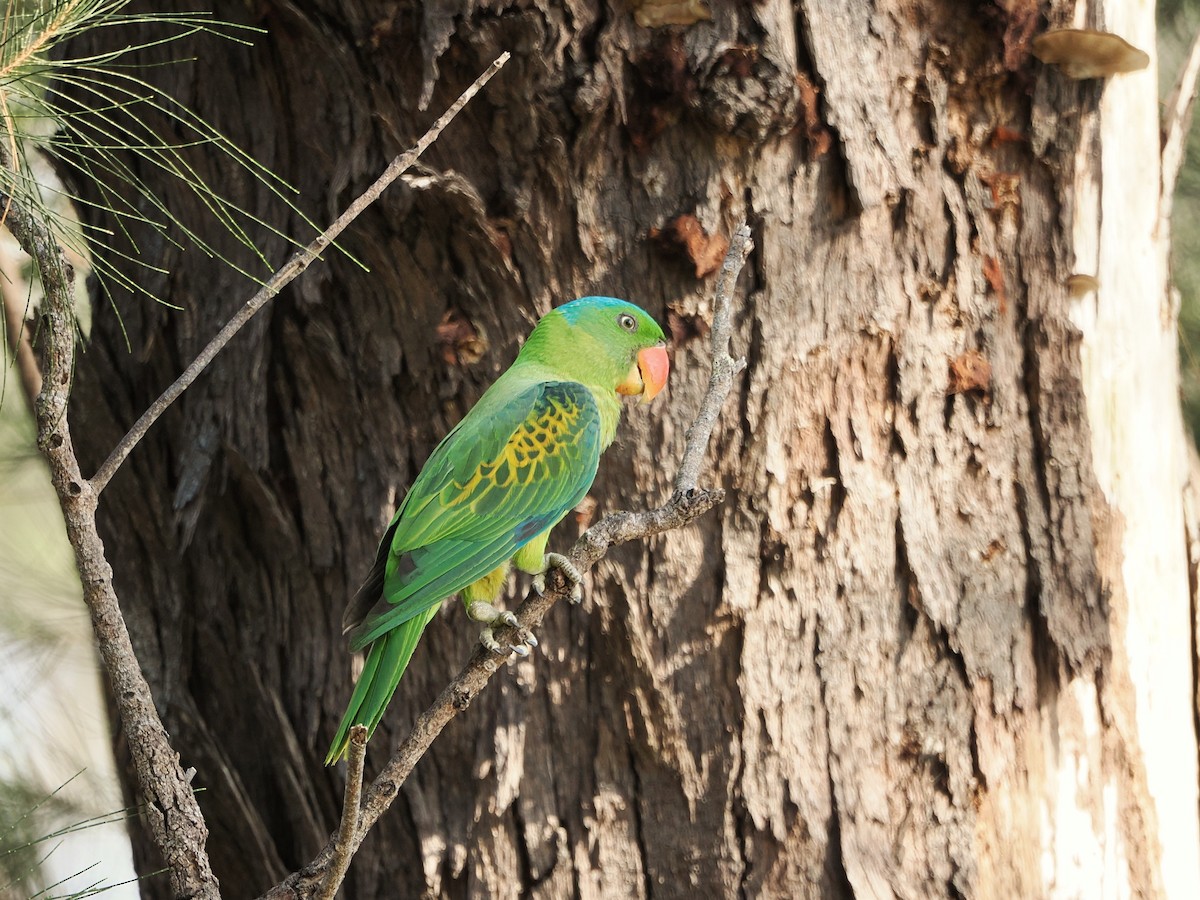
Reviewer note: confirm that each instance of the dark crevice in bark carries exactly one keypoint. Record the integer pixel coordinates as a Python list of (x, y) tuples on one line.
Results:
[(906, 584), (847, 204), (1045, 653), (639, 834), (896, 444), (742, 827), (588, 41), (981, 782), (754, 273), (837, 881), (899, 214), (524, 863), (948, 411), (837, 490)]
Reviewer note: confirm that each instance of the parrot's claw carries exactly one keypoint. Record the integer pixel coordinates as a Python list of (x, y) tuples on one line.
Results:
[(488, 639), (490, 616), (564, 565)]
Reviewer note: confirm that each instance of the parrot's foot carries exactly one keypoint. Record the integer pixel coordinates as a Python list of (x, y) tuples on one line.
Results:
[(564, 565), (490, 616)]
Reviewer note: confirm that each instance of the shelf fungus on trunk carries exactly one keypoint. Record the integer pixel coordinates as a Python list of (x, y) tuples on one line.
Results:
[(1083, 53)]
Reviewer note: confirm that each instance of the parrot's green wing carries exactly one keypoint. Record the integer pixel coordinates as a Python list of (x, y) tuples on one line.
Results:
[(506, 474)]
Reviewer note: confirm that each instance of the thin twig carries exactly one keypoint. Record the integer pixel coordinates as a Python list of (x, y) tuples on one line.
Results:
[(296, 265), (343, 846), (724, 367), (1177, 121), (176, 824), (686, 504)]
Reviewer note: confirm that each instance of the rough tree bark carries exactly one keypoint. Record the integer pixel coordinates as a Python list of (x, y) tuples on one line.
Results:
[(912, 654)]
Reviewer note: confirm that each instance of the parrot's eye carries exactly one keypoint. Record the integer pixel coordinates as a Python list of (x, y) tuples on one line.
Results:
[(626, 321)]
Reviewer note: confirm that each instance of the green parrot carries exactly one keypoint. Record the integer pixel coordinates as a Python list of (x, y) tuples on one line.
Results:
[(519, 461)]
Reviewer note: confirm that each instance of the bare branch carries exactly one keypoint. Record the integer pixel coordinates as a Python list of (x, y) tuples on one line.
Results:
[(294, 267), (174, 818), (1177, 121), (344, 844), (724, 367), (686, 504)]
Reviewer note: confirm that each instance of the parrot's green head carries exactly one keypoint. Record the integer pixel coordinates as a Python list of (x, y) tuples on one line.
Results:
[(605, 343)]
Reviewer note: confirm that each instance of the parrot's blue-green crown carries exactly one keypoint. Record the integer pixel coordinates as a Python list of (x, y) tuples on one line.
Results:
[(605, 312), (576, 309)]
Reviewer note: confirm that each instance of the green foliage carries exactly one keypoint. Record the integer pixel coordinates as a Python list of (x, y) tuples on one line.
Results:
[(24, 818), (112, 112), (29, 835)]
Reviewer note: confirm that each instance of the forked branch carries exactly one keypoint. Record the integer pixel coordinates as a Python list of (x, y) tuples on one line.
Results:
[(686, 503), (175, 821)]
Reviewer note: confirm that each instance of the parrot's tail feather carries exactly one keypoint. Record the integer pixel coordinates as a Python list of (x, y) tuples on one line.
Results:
[(386, 661)]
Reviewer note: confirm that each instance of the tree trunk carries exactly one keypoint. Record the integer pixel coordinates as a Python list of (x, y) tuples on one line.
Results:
[(910, 656)]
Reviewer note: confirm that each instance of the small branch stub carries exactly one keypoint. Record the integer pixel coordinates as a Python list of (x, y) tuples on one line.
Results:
[(343, 845)]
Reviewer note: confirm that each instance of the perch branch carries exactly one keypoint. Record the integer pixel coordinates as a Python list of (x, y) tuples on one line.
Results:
[(294, 267), (174, 818), (686, 503), (1177, 121)]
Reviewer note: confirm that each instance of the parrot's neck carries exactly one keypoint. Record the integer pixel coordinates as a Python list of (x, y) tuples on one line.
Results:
[(557, 353), (610, 414)]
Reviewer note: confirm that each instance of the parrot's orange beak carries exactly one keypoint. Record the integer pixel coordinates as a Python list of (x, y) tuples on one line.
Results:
[(654, 366), (648, 375)]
